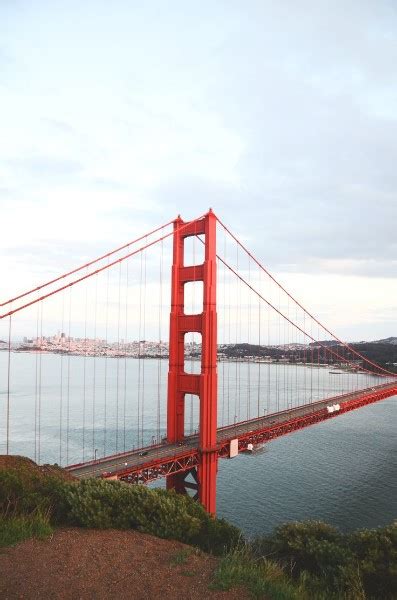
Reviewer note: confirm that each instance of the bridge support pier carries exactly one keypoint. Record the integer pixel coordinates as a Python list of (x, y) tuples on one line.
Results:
[(177, 482), (207, 472), (204, 385)]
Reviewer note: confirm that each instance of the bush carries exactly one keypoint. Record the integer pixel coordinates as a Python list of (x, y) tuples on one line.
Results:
[(104, 504), (358, 565), (310, 546), (20, 492), (376, 554)]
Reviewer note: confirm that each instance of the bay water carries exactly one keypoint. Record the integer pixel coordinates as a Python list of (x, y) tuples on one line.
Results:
[(344, 471)]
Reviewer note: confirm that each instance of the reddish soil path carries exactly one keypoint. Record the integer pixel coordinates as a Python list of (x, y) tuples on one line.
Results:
[(107, 564)]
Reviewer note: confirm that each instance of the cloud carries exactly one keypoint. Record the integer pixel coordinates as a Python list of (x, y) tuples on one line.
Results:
[(47, 166), (280, 117), (59, 126)]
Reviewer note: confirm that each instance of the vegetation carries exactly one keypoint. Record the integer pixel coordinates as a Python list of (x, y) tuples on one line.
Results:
[(15, 529), (384, 354), (102, 504), (309, 560), (263, 579), (358, 565)]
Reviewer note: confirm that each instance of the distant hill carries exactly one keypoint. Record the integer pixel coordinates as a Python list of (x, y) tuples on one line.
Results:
[(389, 340)]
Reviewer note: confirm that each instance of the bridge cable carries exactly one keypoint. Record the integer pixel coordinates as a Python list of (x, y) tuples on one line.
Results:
[(334, 353), (139, 350), (144, 337), (97, 271), (68, 384), (118, 358), (85, 367), (86, 265), (300, 306), (94, 367), (125, 355), (40, 372), (159, 362), (105, 398), (8, 387), (61, 381), (36, 389)]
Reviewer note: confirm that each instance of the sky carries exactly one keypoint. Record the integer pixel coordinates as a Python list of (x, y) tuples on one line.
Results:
[(281, 116)]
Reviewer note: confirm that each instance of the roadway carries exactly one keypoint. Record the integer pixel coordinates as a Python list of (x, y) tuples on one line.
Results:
[(111, 465)]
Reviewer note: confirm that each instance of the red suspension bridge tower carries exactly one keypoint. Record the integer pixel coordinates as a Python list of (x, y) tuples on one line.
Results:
[(203, 385)]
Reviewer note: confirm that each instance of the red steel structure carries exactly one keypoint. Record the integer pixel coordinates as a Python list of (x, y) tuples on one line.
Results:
[(183, 453), (203, 385)]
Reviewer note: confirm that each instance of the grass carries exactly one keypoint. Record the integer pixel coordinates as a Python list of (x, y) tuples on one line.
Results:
[(15, 529), (263, 579), (181, 557)]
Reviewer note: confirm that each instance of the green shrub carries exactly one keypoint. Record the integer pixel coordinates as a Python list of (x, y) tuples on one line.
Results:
[(216, 535), (310, 546), (333, 565), (104, 504), (375, 551), (20, 492)]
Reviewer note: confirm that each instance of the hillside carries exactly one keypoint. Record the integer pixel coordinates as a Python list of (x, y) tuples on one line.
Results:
[(105, 564), (94, 539), (382, 352)]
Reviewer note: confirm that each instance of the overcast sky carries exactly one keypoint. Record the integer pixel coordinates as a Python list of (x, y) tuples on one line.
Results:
[(282, 116)]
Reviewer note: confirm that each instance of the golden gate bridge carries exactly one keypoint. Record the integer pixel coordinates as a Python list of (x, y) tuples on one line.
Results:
[(247, 362)]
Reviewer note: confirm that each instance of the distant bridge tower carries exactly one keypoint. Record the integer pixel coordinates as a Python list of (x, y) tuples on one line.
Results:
[(204, 385)]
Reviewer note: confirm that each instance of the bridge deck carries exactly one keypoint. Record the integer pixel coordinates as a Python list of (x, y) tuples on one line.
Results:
[(152, 462)]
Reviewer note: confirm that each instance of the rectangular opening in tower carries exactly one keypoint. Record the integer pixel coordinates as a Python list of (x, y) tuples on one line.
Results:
[(192, 414), (194, 250), (192, 354), (193, 304)]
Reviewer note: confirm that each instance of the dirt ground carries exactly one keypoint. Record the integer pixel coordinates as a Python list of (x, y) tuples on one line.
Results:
[(82, 564)]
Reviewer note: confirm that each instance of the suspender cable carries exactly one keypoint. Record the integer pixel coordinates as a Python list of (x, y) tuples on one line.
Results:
[(224, 331), (68, 385), (258, 412), (125, 355), (8, 388), (61, 383), (36, 389), (139, 350), (105, 399), (159, 363), (144, 337), (249, 348), (118, 360), (40, 371), (85, 366), (94, 367)]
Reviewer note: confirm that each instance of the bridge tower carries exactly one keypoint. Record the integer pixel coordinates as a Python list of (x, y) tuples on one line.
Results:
[(204, 385)]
